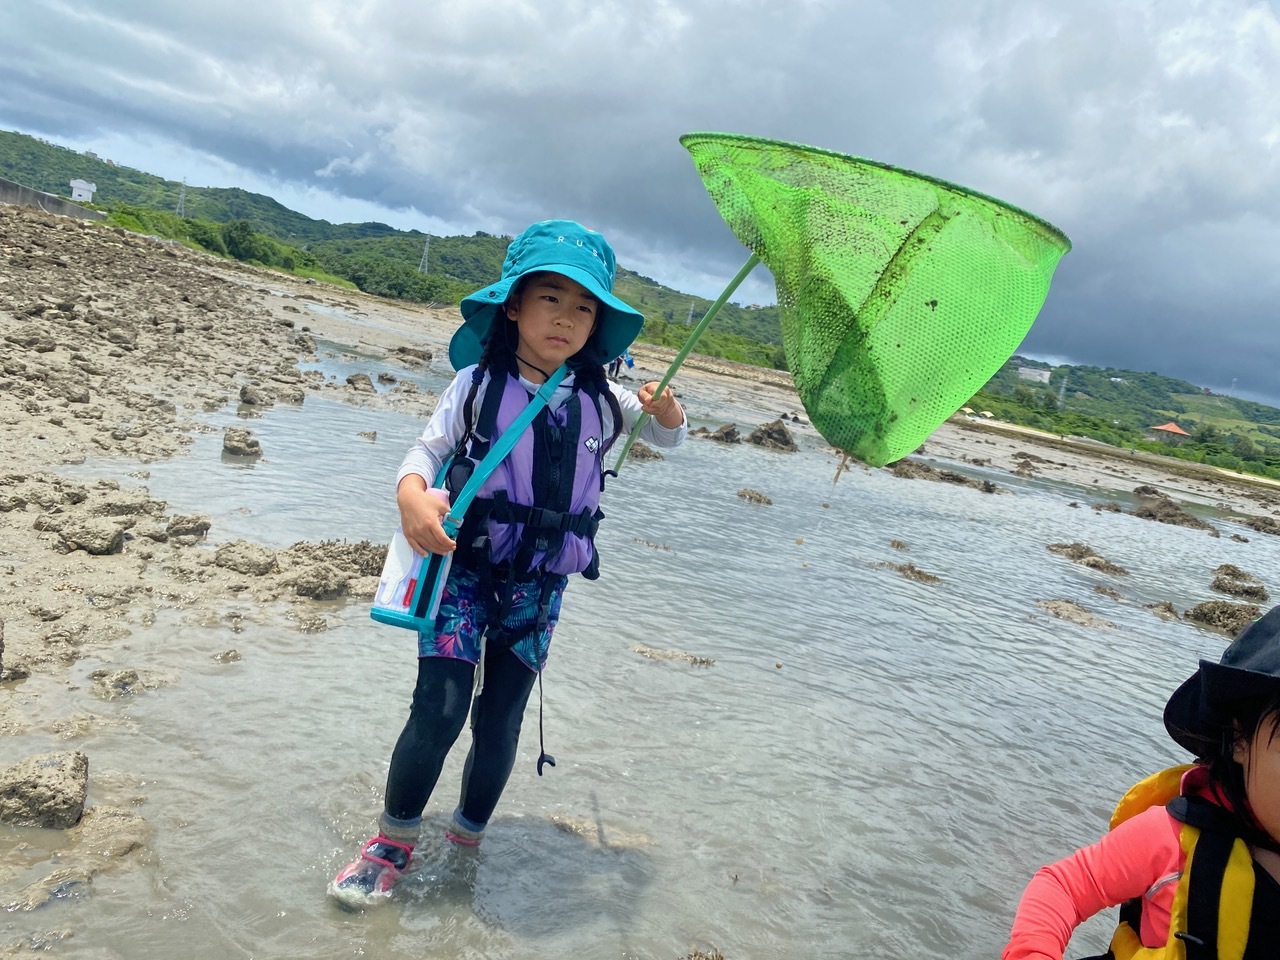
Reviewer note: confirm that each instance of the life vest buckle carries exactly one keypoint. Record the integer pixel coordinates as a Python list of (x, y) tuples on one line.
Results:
[(541, 518)]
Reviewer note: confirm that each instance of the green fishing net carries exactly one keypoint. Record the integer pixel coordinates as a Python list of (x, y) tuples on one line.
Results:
[(900, 295)]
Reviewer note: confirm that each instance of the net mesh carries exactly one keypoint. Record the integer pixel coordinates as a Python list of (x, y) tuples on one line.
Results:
[(900, 295)]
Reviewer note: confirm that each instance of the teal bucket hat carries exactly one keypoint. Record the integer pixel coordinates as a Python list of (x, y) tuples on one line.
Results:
[(563, 247)]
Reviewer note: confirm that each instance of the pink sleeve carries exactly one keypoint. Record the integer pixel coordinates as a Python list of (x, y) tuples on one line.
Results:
[(1122, 865)]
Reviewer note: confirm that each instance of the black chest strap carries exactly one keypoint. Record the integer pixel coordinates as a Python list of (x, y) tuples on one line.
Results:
[(483, 434), (1218, 833)]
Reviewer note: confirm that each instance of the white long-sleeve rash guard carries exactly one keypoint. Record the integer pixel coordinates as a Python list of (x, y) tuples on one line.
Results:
[(444, 429)]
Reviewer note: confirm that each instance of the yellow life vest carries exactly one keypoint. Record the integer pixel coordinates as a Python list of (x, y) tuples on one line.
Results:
[(1213, 902)]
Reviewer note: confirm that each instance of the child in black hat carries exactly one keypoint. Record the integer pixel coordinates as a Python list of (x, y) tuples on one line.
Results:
[(547, 325), (1194, 851)]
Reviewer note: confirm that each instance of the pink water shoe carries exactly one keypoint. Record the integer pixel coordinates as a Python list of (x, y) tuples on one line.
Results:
[(371, 877)]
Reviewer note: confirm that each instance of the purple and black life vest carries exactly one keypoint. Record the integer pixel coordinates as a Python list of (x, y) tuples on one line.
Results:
[(539, 510)]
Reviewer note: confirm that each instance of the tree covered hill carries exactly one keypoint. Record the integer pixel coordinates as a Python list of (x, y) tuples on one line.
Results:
[(1121, 407), (1136, 400), (477, 260), (49, 167), (376, 257)]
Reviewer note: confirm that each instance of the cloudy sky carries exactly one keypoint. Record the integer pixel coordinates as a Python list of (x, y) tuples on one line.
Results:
[(1148, 132)]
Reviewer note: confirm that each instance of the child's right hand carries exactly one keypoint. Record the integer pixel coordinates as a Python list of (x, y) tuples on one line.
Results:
[(421, 513)]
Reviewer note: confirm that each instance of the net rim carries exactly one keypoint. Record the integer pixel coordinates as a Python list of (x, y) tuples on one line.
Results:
[(687, 138)]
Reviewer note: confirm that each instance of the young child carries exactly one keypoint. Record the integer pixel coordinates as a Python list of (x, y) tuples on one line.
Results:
[(529, 528), (1194, 852)]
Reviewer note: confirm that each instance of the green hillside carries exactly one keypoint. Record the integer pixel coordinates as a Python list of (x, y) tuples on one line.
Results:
[(1137, 400), (1121, 406), (375, 257), (46, 166), (476, 260)]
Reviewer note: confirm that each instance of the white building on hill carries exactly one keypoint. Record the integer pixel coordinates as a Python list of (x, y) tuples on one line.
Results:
[(82, 191)]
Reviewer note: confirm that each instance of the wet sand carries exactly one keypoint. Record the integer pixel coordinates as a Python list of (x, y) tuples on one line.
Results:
[(113, 345)]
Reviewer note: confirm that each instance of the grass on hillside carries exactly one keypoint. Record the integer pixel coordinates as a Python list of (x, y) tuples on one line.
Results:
[(313, 273), (233, 241), (1220, 413)]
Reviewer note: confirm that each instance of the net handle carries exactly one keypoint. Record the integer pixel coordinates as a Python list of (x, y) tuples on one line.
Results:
[(684, 351)]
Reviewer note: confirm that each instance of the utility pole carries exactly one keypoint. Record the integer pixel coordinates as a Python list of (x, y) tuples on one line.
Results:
[(689, 320), (1062, 392), (182, 198), (422, 267)]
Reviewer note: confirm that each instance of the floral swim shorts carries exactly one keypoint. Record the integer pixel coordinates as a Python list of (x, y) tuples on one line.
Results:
[(463, 619)]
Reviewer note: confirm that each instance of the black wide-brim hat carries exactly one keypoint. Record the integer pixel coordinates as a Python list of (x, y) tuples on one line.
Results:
[(1199, 713)]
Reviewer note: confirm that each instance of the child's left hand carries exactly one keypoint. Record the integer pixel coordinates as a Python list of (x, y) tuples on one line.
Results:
[(665, 408)]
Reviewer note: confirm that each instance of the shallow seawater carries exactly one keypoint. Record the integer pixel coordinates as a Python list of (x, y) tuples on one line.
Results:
[(873, 766)]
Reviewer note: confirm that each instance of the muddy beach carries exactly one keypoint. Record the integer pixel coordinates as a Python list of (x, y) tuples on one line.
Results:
[(113, 345)]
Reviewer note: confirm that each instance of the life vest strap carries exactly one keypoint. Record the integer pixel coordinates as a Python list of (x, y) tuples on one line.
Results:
[(1200, 813), (482, 435), (584, 524), (1212, 852), (501, 508), (1209, 917)]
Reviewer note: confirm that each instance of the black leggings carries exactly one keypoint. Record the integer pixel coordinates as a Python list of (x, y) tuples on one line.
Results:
[(440, 703)]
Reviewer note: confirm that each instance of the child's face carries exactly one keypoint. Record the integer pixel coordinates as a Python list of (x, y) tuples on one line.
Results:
[(1260, 757), (554, 317)]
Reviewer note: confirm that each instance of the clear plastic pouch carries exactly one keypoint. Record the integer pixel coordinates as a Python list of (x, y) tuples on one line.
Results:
[(410, 586)]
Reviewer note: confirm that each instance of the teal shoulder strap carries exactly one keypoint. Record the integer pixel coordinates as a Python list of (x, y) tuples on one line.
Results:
[(500, 449)]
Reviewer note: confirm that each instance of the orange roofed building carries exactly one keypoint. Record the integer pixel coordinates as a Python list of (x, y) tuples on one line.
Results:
[(1170, 432)]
